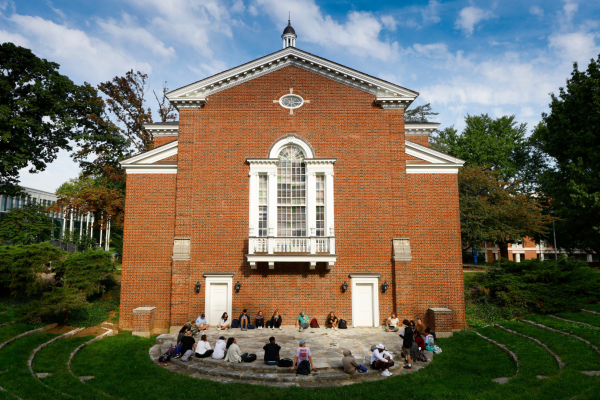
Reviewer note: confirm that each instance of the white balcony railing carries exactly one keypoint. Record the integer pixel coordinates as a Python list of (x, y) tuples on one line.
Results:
[(308, 245)]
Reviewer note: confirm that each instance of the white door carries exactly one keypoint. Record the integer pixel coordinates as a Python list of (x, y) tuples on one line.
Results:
[(363, 312), (218, 302)]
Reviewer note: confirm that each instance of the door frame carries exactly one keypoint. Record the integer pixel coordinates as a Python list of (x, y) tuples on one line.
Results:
[(210, 279), (372, 279)]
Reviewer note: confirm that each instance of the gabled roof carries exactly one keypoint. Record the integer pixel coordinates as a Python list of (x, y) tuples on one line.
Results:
[(197, 92), (436, 162), (152, 161)]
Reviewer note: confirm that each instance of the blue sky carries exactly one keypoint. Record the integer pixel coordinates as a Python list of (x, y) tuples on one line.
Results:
[(462, 56)]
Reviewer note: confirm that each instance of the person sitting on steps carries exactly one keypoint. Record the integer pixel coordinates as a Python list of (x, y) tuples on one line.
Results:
[(391, 324), (302, 322), (201, 323), (188, 346), (180, 335), (223, 323), (381, 359), (234, 354), (303, 355), (275, 321), (271, 352), (332, 321), (244, 320), (259, 320), (220, 347), (349, 362), (203, 349)]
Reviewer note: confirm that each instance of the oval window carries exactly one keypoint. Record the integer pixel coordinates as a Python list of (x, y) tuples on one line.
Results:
[(291, 101)]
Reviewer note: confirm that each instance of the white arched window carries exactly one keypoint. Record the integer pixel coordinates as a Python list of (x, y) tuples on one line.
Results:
[(291, 207)]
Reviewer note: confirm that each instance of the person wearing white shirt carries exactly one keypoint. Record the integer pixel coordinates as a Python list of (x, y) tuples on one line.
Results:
[(391, 324), (224, 322), (203, 349), (381, 359), (201, 323), (219, 352)]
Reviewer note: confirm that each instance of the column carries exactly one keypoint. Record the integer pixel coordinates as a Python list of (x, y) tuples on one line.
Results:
[(64, 222), (80, 225), (311, 200), (272, 204), (329, 211)]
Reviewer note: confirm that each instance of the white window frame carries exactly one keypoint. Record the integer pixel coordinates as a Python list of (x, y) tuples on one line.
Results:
[(314, 166)]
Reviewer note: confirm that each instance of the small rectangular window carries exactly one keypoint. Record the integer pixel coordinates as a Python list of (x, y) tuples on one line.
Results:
[(181, 249), (263, 184), (320, 204)]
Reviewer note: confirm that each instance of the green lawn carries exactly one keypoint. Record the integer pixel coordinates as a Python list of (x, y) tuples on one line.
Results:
[(122, 369), (593, 307), (581, 317)]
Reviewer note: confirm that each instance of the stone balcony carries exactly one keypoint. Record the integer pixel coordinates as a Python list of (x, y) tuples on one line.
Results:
[(310, 250)]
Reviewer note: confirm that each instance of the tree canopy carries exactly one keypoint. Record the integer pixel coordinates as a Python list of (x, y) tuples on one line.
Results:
[(570, 136), (37, 116), (26, 225)]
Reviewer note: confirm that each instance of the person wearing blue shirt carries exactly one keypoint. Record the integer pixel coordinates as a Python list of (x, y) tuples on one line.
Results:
[(201, 323)]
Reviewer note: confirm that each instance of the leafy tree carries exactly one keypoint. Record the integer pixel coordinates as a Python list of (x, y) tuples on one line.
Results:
[(500, 144), (22, 266), (26, 225), (59, 300), (494, 210), (419, 113), (440, 140), (569, 135), (85, 271), (36, 113), (166, 110)]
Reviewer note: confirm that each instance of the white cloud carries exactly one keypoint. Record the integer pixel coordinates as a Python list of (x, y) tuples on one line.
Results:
[(359, 34), (128, 31), (575, 46), (536, 10), (15, 38), (471, 16), (238, 7), (569, 9), (389, 22), (430, 13), (75, 50)]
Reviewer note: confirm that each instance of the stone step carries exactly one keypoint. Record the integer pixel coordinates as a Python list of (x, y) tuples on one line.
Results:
[(259, 373)]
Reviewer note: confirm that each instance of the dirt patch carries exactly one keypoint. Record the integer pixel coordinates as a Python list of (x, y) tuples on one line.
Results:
[(90, 331)]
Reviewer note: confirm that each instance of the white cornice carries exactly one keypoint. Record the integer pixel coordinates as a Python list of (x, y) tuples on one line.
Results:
[(319, 161), (296, 57), (150, 169), (420, 129), (153, 155), (189, 103), (430, 155), (262, 161), (162, 130)]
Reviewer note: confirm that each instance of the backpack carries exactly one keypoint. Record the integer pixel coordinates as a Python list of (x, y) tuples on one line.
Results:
[(235, 324), (251, 327), (361, 369), (285, 363), (250, 358), (164, 358), (342, 324), (303, 368), (314, 323)]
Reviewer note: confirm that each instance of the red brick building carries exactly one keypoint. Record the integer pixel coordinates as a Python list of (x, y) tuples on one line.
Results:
[(293, 176)]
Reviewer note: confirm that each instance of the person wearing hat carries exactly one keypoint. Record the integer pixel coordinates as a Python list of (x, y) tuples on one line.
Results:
[(220, 347), (302, 355), (381, 359)]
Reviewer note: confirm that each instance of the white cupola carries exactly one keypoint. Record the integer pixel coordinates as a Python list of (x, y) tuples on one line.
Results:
[(289, 36)]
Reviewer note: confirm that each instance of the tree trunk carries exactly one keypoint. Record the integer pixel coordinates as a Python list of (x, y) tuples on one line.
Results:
[(66, 315)]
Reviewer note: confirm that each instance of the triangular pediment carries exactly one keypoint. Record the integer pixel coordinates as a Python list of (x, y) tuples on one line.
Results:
[(195, 94), (425, 160), (155, 161)]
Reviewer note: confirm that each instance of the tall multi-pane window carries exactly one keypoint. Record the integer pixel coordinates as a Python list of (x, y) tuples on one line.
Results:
[(262, 204), (291, 193), (320, 211)]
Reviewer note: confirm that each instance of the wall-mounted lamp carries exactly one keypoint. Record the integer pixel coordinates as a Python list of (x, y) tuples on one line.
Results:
[(385, 286), (238, 286), (344, 287), (197, 287)]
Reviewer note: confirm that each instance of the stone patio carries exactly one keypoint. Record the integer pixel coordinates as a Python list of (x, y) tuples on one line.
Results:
[(326, 347)]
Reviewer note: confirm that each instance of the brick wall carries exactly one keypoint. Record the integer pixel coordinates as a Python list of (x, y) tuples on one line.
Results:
[(160, 140), (372, 204), (423, 140)]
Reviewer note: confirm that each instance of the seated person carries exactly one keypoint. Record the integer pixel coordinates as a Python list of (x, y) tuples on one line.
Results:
[(429, 332), (381, 359), (349, 362), (275, 321), (259, 320), (234, 354), (203, 349), (420, 327), (391, 324), (419, 341), (188, 346), (271, 352), (223, 323), (302, 321), (201, 323), (220, 347), (303, 355), (244, 320), (332, 321), (180, 335)]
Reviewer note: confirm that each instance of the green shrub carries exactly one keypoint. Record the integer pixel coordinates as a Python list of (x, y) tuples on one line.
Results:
[(536, 286)]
